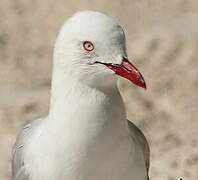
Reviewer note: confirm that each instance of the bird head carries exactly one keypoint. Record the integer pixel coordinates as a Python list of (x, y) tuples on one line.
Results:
[(90, 48)]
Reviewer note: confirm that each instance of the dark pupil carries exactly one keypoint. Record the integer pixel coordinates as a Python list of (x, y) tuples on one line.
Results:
[(89, 45)]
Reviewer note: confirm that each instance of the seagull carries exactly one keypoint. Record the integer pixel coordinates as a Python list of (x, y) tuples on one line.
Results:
[(86, 135)]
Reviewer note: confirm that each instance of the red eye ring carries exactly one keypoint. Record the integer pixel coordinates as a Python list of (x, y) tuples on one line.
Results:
[(88, 46)]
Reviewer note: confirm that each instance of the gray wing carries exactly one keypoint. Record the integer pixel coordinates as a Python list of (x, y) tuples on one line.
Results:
[(143, 143), (19, 168)]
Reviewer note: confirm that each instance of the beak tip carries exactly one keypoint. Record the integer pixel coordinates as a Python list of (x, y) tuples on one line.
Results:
[(143, 85)]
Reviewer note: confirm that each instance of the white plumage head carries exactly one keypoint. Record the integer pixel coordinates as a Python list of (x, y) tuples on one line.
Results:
[(90, 48)]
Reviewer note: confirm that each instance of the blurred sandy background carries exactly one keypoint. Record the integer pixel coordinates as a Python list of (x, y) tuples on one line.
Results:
[(162, 39)]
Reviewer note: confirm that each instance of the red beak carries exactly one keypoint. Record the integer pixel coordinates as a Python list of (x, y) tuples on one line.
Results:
[(127, 70)]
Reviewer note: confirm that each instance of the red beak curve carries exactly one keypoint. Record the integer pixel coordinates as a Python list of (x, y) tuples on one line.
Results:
[(127, 70)]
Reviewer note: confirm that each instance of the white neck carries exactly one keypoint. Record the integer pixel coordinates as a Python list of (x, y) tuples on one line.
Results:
[(69, 96), (82, 121), (82, 111)]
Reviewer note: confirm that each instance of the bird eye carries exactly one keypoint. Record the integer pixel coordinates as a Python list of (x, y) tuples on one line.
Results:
[(88, 46)]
